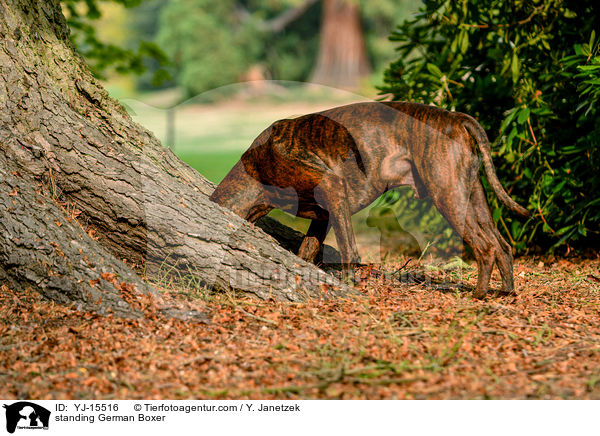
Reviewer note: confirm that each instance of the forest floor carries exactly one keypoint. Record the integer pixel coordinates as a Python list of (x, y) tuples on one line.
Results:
[(402, 340)]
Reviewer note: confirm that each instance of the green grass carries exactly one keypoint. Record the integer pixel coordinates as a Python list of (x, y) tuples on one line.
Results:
[(213, 165)]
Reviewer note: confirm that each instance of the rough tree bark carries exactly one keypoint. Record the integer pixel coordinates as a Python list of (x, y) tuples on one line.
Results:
[(65, 142), (342, 60)]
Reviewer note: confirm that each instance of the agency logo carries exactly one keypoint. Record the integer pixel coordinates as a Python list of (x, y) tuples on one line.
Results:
[(24, 415)]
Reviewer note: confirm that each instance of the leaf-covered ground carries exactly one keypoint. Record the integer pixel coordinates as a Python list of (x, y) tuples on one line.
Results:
[(403, 340)]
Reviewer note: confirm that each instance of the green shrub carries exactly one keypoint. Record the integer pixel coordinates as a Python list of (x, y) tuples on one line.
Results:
[(529, 71), (196, 34)]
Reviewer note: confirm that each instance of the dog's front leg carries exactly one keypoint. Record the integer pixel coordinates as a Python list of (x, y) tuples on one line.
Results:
[(313, 240), (332, 196)]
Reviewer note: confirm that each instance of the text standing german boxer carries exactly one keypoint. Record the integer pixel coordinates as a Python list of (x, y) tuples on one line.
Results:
[(329, 165)]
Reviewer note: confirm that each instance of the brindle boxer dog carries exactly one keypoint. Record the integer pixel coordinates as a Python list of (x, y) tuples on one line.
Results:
[(329, 165)]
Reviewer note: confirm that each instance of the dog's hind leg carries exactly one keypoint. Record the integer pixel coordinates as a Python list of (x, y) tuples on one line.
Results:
[(313, 240), (502, 251), (504, 261), (469, 215), (483, 250)]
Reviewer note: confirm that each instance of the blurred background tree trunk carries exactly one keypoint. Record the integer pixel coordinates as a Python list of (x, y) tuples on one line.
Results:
[(342, 60)]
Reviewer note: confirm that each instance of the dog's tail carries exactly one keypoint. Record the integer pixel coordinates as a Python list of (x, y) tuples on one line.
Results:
[(477, 132)]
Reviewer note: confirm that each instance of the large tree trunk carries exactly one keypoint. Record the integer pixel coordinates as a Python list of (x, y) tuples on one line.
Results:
[(342, 61), (68, 149)]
